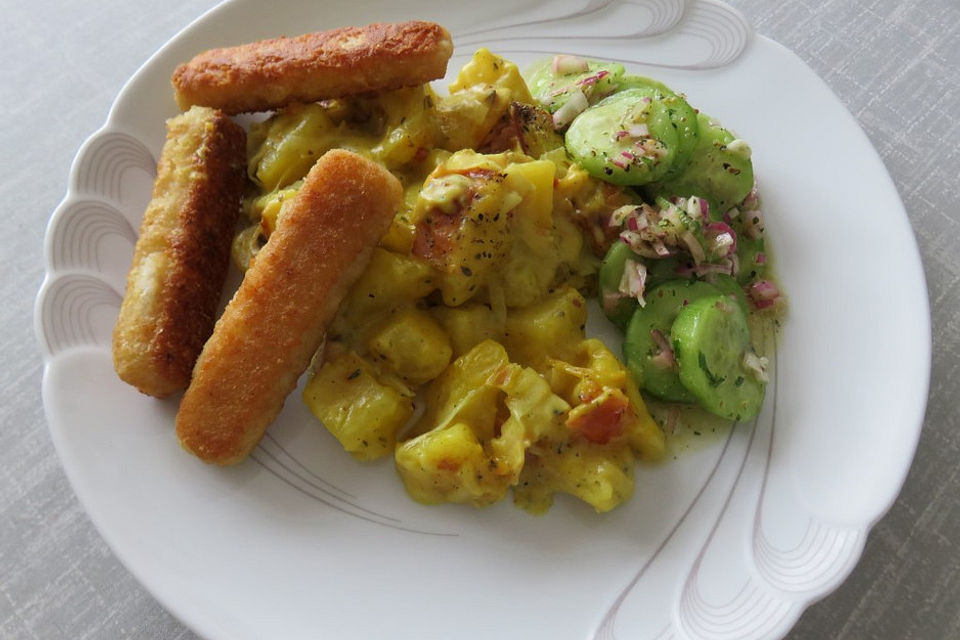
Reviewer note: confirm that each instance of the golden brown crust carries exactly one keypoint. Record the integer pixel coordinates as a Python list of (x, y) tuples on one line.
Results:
[(182, 254), (271, 328), (273, 73)]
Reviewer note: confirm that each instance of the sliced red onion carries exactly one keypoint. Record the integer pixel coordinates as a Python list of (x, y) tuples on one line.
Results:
[(633, 281), (763, 293), (761, 258), (576, 105), (591, 80), (711, 268), (610, 300), (722, 238), (642, 248), (672, 215), (619, 163), (665, 358), (696, 251), (734, 264), (564, 65), (642, 221), (704, 208), (756, 365), (724, 244), (660, 248), (639, 130), (633, 239), (753, 223), (620, 214)]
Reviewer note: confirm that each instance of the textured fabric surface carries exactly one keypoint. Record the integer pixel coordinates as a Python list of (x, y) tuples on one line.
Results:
[(895, 64)]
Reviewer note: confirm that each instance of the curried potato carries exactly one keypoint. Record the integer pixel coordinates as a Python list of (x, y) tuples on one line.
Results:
[(468, 325), (413, 346), (524, 128), (363, 414), (601, 476), (390, 281), (551, 328), (450, 465)]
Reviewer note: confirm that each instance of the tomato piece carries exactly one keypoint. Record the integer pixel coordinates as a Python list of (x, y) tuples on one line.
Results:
[(603, 418)]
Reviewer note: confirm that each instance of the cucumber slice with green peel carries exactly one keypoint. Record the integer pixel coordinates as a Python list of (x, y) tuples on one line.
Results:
[(711, 341), (683, 117), (720, 170), (651, 368), (663, 270), (748, 252), (626, 139), (611, 273), (729, 286), (636, 82), (553, 90)]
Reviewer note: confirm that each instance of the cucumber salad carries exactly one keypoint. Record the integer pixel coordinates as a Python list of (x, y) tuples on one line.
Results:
[(686, 273)]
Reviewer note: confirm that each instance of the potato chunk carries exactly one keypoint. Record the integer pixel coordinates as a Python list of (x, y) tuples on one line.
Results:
[(449, 465), (462, 392), (601, 476), (550, 328), (289, 144), (363, 414), (391, 281), (468, 325), (481, 417), (462, 223), (413, 345), (478, 100), (489, 69)]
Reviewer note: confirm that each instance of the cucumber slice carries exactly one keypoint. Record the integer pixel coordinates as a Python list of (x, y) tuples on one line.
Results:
[(552, 90), (638, 82), (626, 139), (729, 286), (683, 117), (664, 270), (711, 339), (658, 272), (717, 171), (748, 251), (640, 348)]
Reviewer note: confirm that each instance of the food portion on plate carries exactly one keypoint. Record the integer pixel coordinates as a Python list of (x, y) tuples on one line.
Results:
[(434, 254), (275, 321), (689, 270), (182, 254)]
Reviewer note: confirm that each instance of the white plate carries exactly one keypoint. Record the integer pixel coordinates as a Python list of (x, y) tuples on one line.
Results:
[(730, 541)]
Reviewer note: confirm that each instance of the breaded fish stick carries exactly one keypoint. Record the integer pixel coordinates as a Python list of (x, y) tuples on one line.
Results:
[(276, 321), (182, 254), (272, 73)]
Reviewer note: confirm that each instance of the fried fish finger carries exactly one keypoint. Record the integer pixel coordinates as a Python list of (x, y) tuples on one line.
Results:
[(275, 322), (182, 254), (272, 73)]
